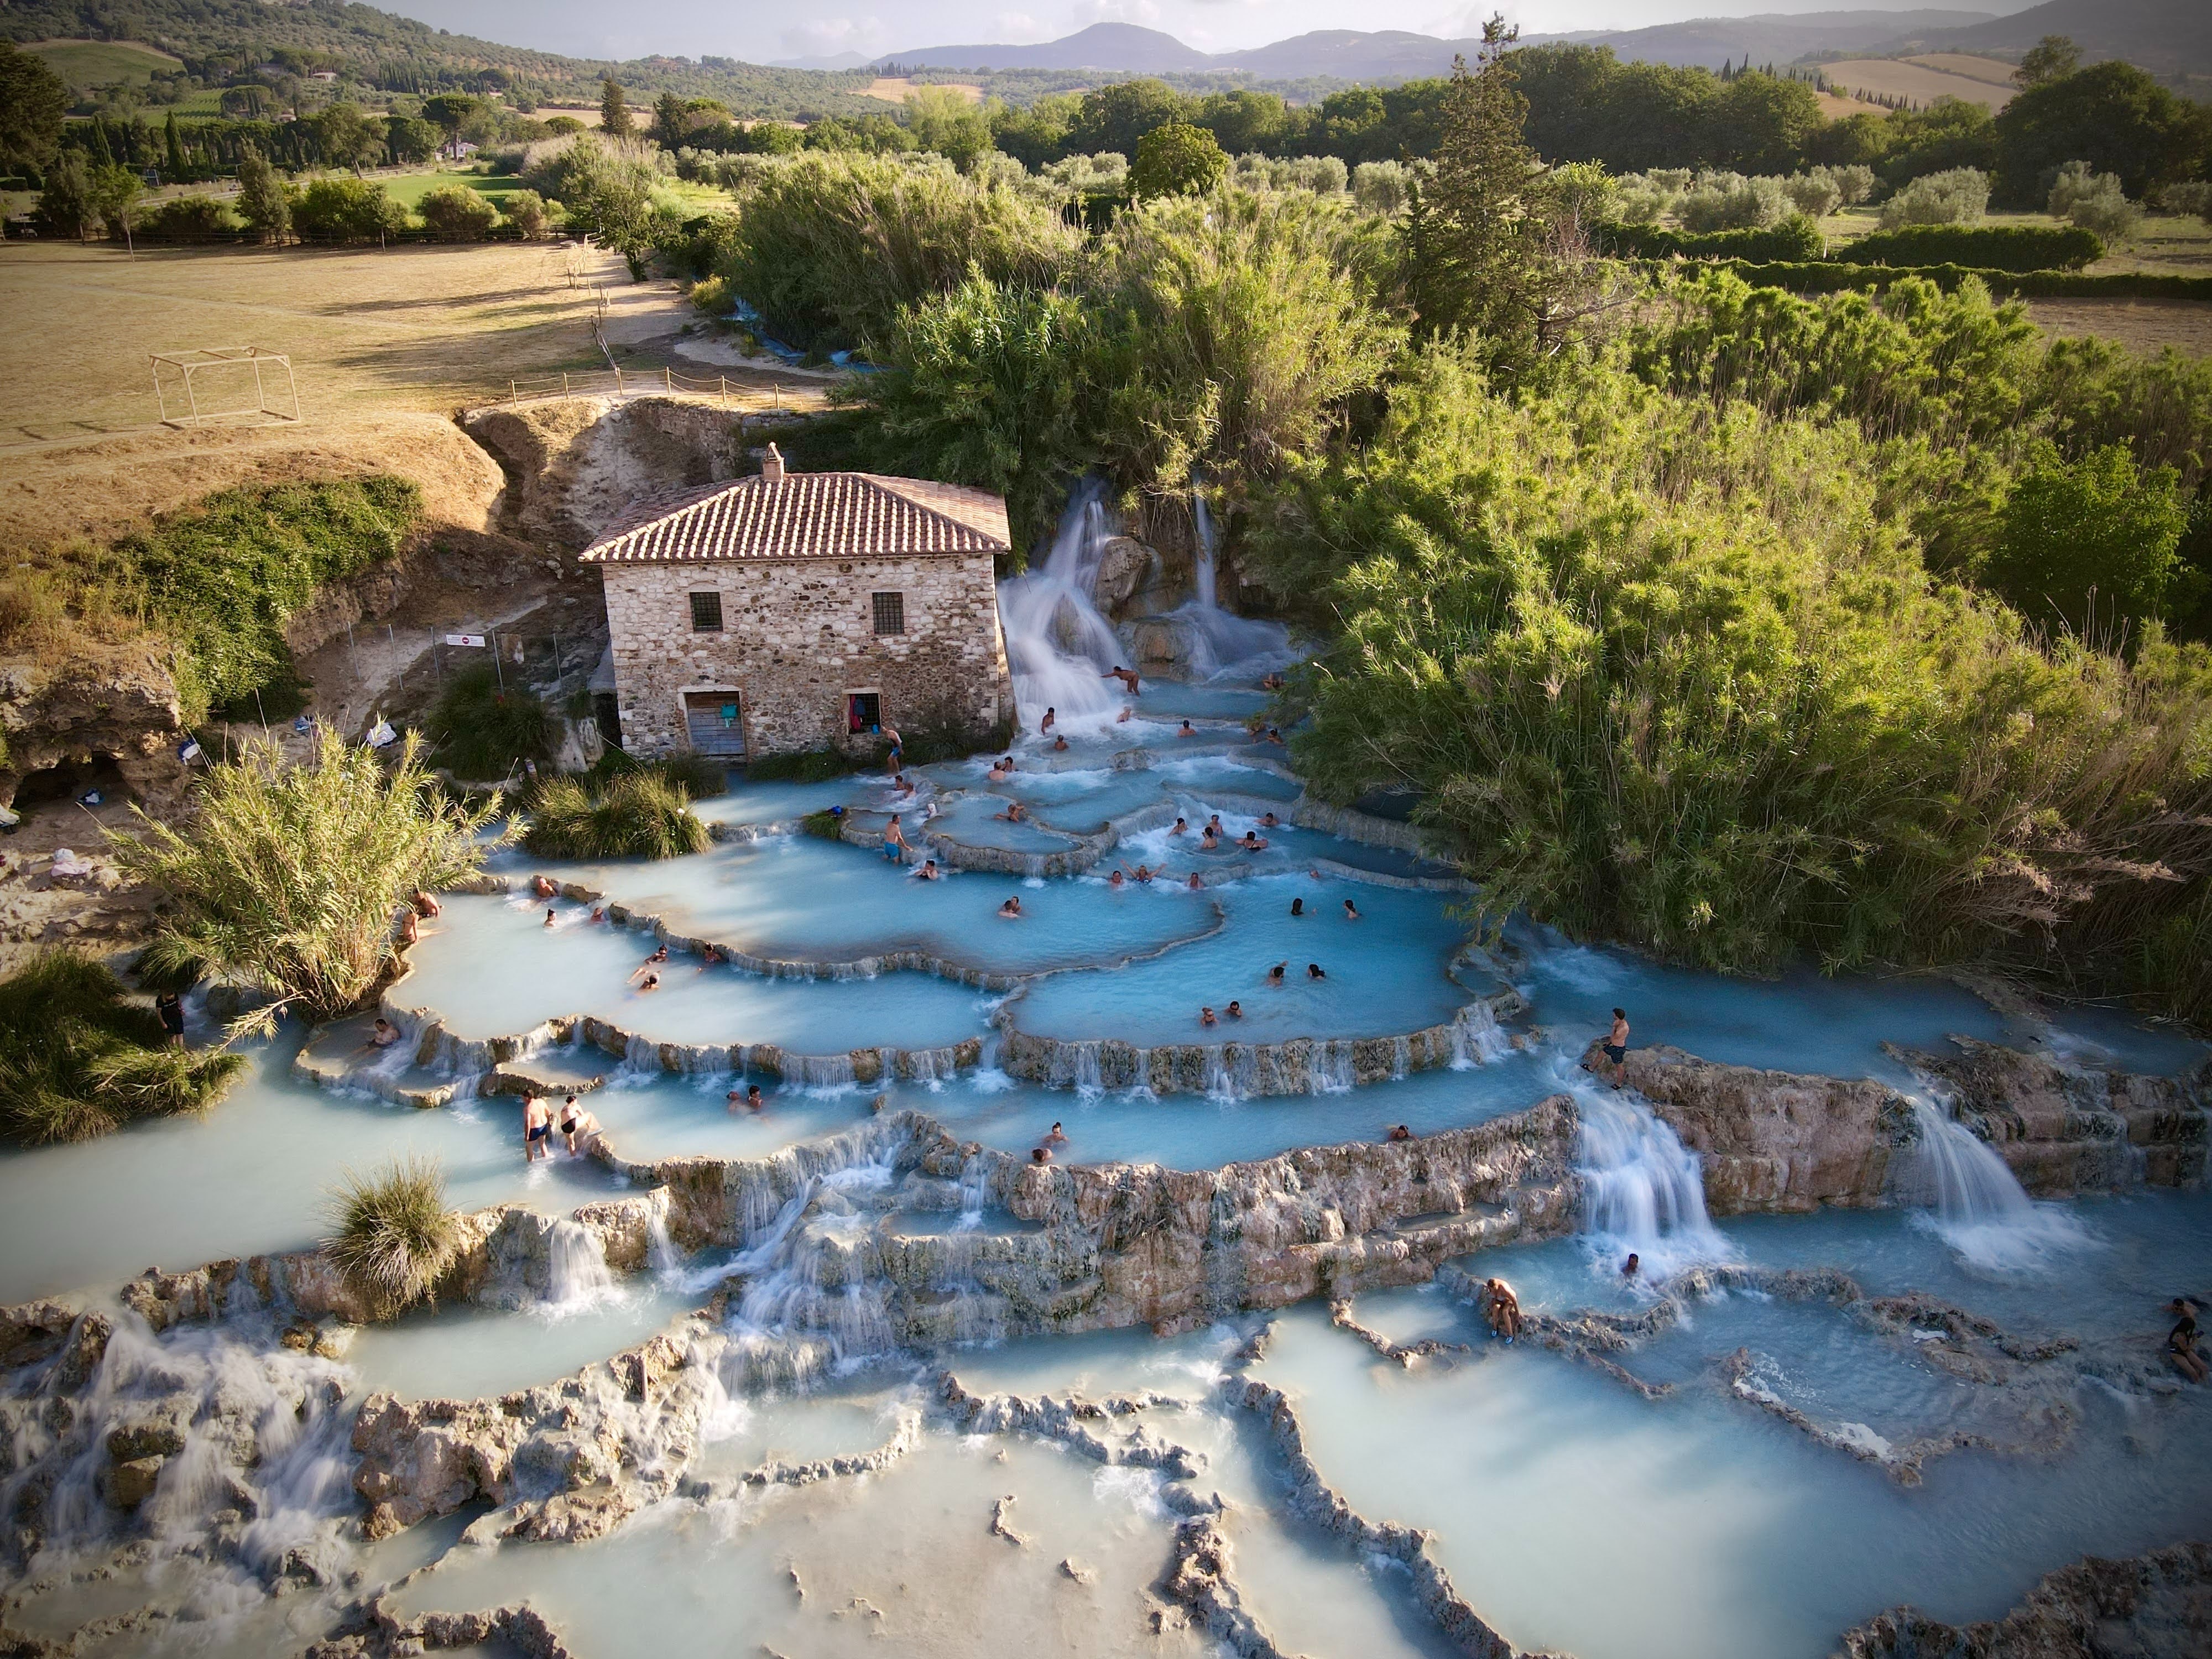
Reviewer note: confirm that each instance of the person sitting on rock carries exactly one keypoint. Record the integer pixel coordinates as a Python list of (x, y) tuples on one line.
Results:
[(711, 956), (2181, 1341), (382, 1034), (425, 906), (543, 886), (1502, 1308)]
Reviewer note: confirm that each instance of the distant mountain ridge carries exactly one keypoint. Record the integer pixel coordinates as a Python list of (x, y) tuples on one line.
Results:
[(2167, 37), (1397, 55)]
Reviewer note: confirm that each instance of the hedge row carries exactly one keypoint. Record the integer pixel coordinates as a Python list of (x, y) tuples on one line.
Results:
[(1978, 247), (1829, 276), (1796, 238)]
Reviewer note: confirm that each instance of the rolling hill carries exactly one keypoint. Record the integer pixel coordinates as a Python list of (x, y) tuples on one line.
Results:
[(2167, 37)]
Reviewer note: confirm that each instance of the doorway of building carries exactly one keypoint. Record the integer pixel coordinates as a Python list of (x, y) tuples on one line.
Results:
[(713, 722)]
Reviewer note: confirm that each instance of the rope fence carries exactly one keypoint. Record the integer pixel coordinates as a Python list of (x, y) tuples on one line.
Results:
[(620, 383)]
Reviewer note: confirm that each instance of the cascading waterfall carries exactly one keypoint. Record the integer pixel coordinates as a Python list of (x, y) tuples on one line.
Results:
[(1643, 1189), (1974, 1202), (1221, 639), (576, 1276), (1058, 646)]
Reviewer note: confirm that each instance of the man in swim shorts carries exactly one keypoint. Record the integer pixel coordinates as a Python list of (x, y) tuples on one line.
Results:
[(1616, 1046), (537, 1124)]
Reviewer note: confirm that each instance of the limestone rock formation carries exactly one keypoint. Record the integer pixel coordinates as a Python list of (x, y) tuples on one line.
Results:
[(2157, 1606), (2065, 1130), (1773, 1140)]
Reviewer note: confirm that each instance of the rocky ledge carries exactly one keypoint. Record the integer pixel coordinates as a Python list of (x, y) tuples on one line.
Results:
[(2157, 1606), (1781, 1141)]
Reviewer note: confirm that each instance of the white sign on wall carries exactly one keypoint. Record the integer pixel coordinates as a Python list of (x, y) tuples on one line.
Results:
[(476, 639)]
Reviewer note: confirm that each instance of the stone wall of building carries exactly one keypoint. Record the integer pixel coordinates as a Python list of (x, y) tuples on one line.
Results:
[(796, 635)]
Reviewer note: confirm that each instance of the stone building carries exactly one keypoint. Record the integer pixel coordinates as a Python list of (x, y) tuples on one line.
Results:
[(792, 611)]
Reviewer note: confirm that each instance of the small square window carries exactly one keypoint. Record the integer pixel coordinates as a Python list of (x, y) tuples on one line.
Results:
[(864, 714), (706, 613), (891, 613)]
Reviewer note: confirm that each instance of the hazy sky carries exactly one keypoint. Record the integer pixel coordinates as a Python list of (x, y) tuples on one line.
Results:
[(762, 31)]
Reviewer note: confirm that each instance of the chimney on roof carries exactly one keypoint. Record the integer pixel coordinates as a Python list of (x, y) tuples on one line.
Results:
[(772, 464)]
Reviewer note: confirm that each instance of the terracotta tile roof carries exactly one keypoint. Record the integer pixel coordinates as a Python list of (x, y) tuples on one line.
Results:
[(804, 515)]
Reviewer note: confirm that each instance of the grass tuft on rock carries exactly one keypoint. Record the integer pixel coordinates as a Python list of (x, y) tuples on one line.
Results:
[(636, 815), (394, 1238), (78, 1061)]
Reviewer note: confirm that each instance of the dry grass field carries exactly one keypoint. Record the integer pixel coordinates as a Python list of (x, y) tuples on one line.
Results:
[(1920, 79), (893, 90)]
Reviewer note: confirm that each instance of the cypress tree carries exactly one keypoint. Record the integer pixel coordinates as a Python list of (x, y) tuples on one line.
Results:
[(614, 112), (173, 147)]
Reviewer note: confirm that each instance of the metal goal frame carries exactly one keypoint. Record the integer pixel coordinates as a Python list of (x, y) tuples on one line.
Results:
[(173, 372)]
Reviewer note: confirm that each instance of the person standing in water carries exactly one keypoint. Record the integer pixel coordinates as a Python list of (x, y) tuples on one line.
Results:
[(170, 1007), (1047, 724), (895, 847), (1616, 1046), (537, 1124)]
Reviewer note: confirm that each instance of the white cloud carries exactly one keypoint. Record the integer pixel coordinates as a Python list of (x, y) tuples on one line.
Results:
[(1018, 29), (1087, 12), (832, 34)]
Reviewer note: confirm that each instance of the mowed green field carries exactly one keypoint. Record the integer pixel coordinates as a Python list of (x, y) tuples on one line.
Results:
[(101, 63), (409, 188)]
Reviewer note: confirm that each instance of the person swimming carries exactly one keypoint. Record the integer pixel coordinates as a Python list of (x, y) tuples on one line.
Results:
[(1040, 1154), (1185, 730), (1113, 880), (1250, 840), (552, 921), (1213, 824), (2181, 1341), (711, 956), (1206, 1017), (900, 786), (1181, 827), (927, 871), (1014, 813), (1400, 1132), (598, 913), (650, 982), (1125, 716), (998, 774), (1275, 973), (1193, 884), (1268, 820), (1059, 743), (1057, 1137), (1011, 910), (1144, 874), (537, 1124), (1271, 681), (1235, 1009), (1313, 971), (1297, 907), (1209, 839), (1350, 911), (1629, 1269), (650, 964)]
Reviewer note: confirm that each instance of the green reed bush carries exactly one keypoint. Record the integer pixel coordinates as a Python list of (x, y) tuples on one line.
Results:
[(479, 728), (391, 1234), (635, 815), (289, 877), (78, 1061)]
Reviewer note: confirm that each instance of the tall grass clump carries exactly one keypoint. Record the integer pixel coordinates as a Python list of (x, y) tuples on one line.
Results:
[(392, 1236), (78, 1061), (635, 815), (479, 729), (289, 877)]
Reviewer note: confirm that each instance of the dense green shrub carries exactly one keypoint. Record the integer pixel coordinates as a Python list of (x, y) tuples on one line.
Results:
[(2087, 543), (454, 213), (480, 728), (809, 766), (1796, 238), (1839, 276), (702, 777), (829, 247), (1177, 159), (1982, 247), (345, 211), (391, 1234), (78, 1061), (1960, 196), (1666, 671), (636, 815), (186, 219)]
